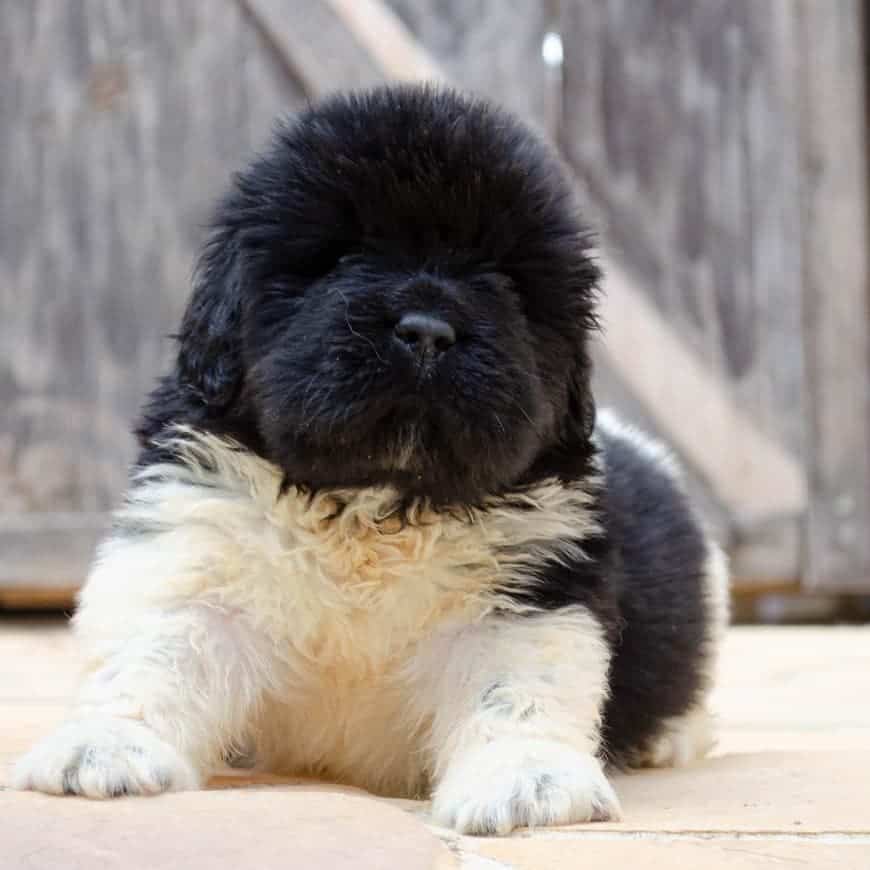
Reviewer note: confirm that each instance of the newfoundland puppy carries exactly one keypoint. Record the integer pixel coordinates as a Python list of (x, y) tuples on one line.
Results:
[(376, 532)]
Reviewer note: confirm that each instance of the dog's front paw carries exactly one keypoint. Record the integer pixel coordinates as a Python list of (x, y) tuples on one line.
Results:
[(101, 757), (512, 783)]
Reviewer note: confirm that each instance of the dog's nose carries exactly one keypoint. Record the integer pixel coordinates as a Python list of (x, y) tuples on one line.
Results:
[(424, 334)]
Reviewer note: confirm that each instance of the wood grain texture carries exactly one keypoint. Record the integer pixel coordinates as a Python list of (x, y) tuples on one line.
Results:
[(837, 292), (681, 122), (51, 550), (54, 598), (720, 146), (313, 43), (490, 47), (753, 477), (386, 39), (120, 125)]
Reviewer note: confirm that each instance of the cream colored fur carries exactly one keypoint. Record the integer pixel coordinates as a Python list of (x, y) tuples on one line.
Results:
[(336, 639), (515, 732)]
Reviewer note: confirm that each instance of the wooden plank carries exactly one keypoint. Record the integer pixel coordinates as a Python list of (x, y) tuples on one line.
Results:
[(384, 36), (613, 393), (490, 47), (335, 44), (681, 121), (751, 474), (38, 597), (763, 554), (120, 125), (315, 44), (837, 292), (54, 550)]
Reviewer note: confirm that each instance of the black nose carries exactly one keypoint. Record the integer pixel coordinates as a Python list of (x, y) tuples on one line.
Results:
[(424, 334)]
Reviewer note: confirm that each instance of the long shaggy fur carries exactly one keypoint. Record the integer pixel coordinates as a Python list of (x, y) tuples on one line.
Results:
[(351, 551)]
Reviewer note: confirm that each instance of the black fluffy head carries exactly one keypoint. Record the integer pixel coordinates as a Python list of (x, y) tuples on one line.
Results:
[(364, 209)]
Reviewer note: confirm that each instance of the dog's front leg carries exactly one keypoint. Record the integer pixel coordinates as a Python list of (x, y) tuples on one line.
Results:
[(515, 723), (155, 712), (170, 686)]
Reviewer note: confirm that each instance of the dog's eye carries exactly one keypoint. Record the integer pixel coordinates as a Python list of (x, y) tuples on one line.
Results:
[(283, 288), (293, 276), (314, 262), (322, 261), (493, 281)]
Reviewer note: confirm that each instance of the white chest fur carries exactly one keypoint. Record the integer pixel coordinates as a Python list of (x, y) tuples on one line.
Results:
[(334, 592)]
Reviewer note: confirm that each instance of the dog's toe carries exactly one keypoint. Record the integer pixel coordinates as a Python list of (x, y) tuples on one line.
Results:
[(102, 757), (522, 782)]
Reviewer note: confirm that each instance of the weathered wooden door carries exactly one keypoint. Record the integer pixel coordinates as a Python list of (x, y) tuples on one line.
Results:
[(720, 147), (725, 144), (119, 123)]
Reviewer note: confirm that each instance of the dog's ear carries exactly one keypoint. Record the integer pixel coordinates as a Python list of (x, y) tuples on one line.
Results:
[(581, 406), (582, 288), (210, 353), (586, 281)]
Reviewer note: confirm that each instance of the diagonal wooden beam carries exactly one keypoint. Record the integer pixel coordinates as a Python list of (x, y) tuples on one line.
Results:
[(753, 475), (384, 36), (315, 45)]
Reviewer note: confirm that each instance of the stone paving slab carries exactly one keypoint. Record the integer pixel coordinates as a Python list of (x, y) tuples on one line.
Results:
[(788, 785), (802, 678), (758, 792), (555, 852), (300, 827), (21, 725), (38, 661), (747, 740), (791, 793)]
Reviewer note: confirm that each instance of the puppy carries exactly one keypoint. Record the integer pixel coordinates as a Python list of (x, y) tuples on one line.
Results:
[(374, 532)]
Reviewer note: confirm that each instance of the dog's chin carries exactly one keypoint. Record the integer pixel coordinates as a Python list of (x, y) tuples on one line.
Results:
[(448, 487), (418, 461)]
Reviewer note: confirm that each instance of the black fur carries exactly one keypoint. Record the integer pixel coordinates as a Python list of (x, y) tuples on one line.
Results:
[(655, 573), (370, 206)]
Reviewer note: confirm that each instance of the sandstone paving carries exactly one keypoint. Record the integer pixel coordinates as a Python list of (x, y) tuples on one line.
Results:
[(788, 785)]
